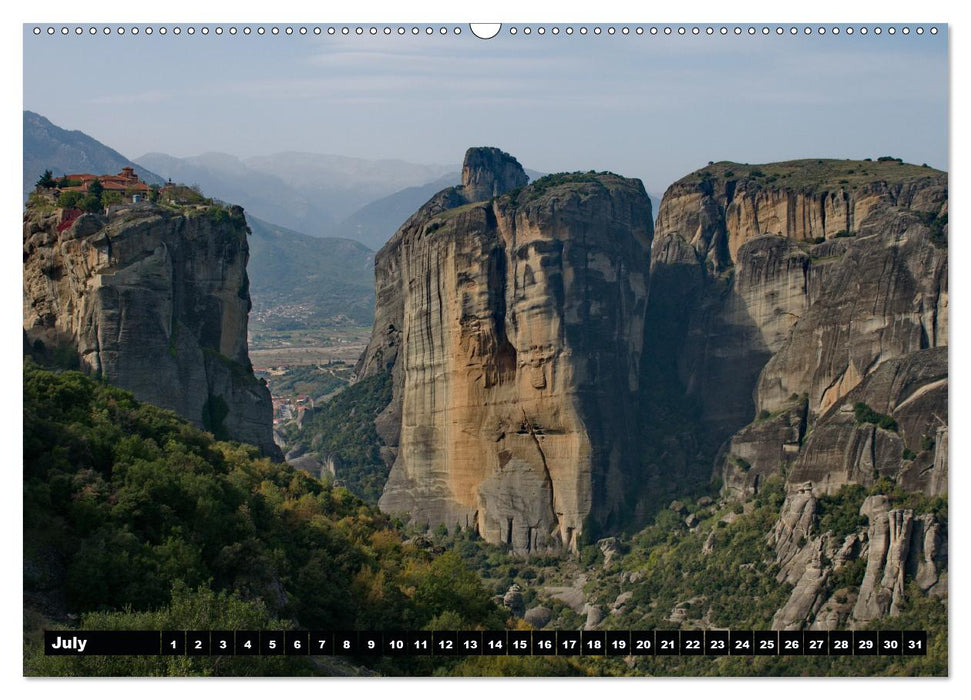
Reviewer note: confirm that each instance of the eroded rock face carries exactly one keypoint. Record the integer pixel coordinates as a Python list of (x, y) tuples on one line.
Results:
[(841, 450), (761, 449), (884, 297), (513, 329), (489, 172), (797, 280), (896, 545), (155, 302)]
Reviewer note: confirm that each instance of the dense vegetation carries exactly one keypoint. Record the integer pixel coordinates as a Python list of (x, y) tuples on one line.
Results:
[(133, 518), (539, 187), (343, 428), (730, 582)]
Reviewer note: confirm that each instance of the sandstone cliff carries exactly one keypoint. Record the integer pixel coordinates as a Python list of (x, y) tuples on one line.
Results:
[(804, 306), (512, 321), (154, 300), (797, 277)]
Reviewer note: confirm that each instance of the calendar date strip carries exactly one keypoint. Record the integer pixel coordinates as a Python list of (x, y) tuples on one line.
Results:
[(488, 643)]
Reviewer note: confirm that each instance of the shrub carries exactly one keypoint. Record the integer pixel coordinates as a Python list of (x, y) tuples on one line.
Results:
[(865, 414), (936, 224), (109, 198), (840, 512), (850, 575), (740, 462), (69, 200)]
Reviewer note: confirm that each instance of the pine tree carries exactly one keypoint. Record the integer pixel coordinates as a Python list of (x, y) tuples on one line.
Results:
[(46, 180)]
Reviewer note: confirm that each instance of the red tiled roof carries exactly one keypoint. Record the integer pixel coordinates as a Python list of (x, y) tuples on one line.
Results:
[(121, 182)]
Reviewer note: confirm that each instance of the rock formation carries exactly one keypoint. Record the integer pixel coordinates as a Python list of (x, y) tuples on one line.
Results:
[(155, 301), (798, 278), (912, 390), (803, 306), (512, 321), (896, 546)]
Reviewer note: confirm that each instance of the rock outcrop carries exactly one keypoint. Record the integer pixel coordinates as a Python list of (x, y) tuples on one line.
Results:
[(513, 326), (896, 545), (488, 173), (155, 301), (803, 306), (798, 278), (842, 449)]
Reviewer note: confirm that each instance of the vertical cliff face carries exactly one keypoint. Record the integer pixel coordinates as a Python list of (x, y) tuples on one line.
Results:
[(513, 329), (815, 340), (155, 301), (800, 277)]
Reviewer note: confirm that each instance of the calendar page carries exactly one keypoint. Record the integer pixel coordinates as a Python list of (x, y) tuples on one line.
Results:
[(517, 349)]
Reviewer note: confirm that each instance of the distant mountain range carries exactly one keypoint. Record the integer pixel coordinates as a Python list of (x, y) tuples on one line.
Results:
[(329, 277), (315, 203), (374, 223), (49, 147), (306, 192)]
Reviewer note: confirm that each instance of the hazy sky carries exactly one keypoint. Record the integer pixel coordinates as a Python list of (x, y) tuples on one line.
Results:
[(654, 107)]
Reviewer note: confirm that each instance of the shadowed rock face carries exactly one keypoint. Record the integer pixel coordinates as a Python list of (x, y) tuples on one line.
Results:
[(797, 277), (155, 302), (812, 296), (513, 329)]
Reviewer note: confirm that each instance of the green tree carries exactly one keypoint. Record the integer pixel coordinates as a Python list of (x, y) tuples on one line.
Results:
[(90, 203), (46, 180), (69, 200), (109, 198), (96, 189)]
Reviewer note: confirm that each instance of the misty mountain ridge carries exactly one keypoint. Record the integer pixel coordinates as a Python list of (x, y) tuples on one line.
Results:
[(332, 277), (49, 147), (303, 191), (374, 223)]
